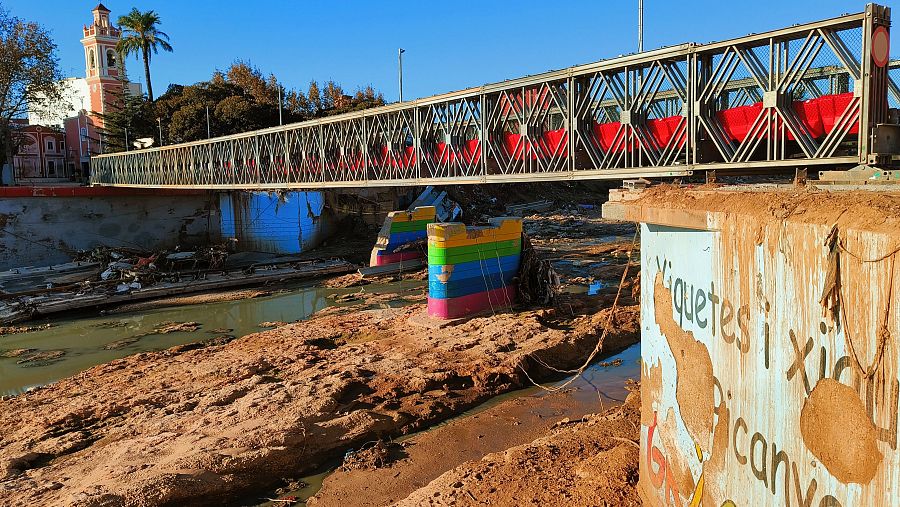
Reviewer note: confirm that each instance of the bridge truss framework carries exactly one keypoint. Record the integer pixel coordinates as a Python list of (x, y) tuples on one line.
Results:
[(808, 95)]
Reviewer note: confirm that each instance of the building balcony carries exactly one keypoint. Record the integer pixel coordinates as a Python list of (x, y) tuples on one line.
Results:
[(108, 31)]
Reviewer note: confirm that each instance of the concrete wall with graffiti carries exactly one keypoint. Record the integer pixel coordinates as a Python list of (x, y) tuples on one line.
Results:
[(756, 390)]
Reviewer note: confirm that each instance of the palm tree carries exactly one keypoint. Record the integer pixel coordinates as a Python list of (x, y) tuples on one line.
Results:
[(141, 35)]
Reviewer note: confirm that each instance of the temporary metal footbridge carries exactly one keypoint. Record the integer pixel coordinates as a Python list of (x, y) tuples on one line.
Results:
[(808, 96)]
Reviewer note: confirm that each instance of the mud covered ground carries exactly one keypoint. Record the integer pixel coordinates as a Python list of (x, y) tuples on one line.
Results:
[(590, 462), (216, 423), (375, 476), (202, 425)]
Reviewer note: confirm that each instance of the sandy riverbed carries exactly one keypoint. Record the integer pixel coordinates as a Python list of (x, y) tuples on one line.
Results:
[(202, 425), (206, 424)]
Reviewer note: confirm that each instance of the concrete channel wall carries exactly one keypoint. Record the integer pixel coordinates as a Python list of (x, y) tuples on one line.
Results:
[(753, 391), (39, 228)]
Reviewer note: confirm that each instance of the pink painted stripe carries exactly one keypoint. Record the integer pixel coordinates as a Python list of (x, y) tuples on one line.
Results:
[(452, 308), (382, 260)]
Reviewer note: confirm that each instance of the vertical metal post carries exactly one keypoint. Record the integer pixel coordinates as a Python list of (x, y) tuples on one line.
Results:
[(80, 142), (485, 138), (208, 129), (418, 128), (640, 26), (159, 122), (365, 148), (570, 121), (873, 89), (321, 142), (400, 52), (693, 109)]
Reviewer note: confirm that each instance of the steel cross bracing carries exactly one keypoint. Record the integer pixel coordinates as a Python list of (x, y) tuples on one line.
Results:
[(806, 95)]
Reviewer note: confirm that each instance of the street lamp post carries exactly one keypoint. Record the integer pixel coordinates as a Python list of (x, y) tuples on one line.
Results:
[(640, 26), (159, 122), (208, 129), (400, 70)]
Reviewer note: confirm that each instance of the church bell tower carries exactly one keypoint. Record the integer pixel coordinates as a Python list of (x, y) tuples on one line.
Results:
[(105, 69)]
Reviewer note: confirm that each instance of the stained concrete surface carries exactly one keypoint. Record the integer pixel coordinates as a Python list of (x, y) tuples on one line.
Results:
[(39, 231)]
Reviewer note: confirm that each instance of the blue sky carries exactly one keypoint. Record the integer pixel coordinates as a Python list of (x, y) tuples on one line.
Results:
[(449, 44)]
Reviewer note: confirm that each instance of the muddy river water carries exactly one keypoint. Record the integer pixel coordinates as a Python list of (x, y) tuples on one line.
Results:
[(93, 340)]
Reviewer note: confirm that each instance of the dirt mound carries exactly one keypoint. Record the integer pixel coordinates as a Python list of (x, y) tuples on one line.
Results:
[(590, 462)]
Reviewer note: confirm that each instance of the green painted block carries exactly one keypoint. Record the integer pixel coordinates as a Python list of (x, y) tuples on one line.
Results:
[(416, 225), (469, 253)]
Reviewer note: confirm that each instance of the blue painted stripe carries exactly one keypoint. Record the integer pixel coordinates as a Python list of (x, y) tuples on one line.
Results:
[(472, 268), (398, 239), (467, 286)]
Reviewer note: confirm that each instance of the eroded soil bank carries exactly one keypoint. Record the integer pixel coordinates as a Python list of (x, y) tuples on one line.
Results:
[(199, 426), (591, 462), (386, 472)]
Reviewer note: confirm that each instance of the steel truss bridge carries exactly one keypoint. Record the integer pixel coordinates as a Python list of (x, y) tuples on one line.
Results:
[(809, 95)]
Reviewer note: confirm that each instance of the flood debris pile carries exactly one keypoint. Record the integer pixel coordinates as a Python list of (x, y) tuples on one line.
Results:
[(134, 269), (106, 276), (587, 253), (538, 282), (374, 454)]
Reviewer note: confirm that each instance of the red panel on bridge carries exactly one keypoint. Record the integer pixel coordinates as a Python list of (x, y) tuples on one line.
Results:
[(818, 115), (664, 129), (831, 107)]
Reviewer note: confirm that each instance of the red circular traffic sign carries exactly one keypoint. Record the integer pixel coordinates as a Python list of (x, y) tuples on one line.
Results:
[(881, 46)]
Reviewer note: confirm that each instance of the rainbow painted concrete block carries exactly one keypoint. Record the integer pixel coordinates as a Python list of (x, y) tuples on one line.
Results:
[(401, 228), (472, 269)]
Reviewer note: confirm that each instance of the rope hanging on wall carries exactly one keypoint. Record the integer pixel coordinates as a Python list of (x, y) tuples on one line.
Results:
[(832, 299)]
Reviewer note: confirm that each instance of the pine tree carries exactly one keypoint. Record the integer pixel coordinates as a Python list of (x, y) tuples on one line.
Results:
[(315, 99), (131, 118)]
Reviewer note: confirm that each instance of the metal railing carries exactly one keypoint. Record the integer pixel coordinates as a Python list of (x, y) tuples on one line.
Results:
[(806, 95)]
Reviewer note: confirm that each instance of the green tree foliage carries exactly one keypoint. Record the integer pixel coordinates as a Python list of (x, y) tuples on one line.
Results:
[(141, 36), (29, 75), (239, 99), (242, 99), (131, 118), (250, 79), (316, 105)]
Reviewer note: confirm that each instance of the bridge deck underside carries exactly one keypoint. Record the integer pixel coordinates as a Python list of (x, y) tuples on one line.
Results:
[(803, 96)]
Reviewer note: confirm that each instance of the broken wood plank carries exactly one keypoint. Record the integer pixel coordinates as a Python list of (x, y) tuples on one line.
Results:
[(393, 269)]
